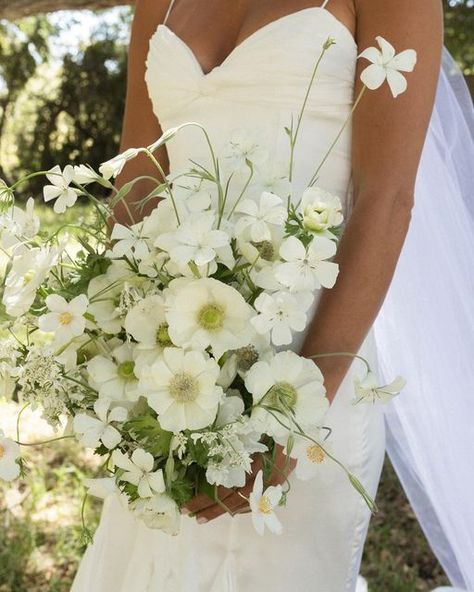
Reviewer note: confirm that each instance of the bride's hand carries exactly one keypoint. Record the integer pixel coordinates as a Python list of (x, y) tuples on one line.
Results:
[(205, 509)]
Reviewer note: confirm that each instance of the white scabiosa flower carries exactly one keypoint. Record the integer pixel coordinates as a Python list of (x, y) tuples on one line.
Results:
[(280, 314), (94, 430), (321, 210), (368, 390), (386, 65), (263, 504), (182, 389), (65, 319), (114, 166), (206, 312), (114, 377), (139, 471), (9, 454), (257, 217), (130, 242), (60, 189), (291, 386), (307, 268)]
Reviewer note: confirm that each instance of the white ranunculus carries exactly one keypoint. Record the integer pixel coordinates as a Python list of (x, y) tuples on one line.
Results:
[(94, 430), (263, 504), (114, 166), (291, 383), (146, 322), (9, 454), (307, 268), (368, 390), (206, 312), (139, 471), (182, 389), (114, 377), (159, 512), (130, 242), (60, 190), (386, 65), (280, 314), (257, 217), (321, 210), (65, 319)]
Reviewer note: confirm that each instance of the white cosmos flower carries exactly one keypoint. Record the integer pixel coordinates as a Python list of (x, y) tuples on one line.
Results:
[(369, 391), (139, 471), (98, 429), (159, 512), (257, 218), (280, 314), (9, 454), (263, 504), (83, 175), (386, 65), (114, 377), (195, 240), (307, 268), (206, 312), (60, 190), (146, 322), (65, 319), (114, 166), (291, 383), (321, 210), (182, 389), (130, 242)]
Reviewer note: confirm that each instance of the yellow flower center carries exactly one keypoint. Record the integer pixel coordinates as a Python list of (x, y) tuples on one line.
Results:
[(162, 335), (2, 451), (125, 370), (264, 505), (65, 318), (282, 393), (315, 454), (184, 388), (211, 317)]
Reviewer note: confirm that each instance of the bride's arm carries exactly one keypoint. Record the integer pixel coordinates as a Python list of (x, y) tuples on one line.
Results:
[(140, 126), (388, 136)]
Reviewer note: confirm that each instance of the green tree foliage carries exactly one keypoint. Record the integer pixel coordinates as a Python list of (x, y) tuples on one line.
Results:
[(459, 32)]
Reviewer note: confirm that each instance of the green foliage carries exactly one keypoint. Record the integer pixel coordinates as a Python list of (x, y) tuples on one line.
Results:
[(459, 32), (147, 431)]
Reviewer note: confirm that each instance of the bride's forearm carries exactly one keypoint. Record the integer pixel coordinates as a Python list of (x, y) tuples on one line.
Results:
[(367, 257)]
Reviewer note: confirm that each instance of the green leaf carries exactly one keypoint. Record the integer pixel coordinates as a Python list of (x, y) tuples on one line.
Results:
[(146, 430)]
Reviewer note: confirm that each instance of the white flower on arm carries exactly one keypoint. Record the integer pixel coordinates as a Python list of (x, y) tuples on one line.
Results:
[(60, 189), (386, 65), (307, 268), (206, 312), (115, 378), (321, 210), (263, 504), (130, 242), (98, 429), (182, 389), (114, 166), (65, 319), (139, 471), (257, 218), (280, 314), (369, 391), (9, 454)]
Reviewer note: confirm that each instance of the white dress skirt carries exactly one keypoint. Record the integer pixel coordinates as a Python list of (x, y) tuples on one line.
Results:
[(258, 87)]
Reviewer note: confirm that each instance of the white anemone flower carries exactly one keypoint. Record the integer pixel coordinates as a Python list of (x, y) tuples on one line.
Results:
[(139, 471), (182, 389), (95, 430), (159, 512), (368, 390), (257, 218), (280, 314), (146, 322), (386, 65), (114, 166), (130, 242), (292, 384), (115, 377), (60, 190), (206, 312), (307, 268), (65, 319), (9, 454), (321, 210), (311, 456), (263, 504), (195, 240)]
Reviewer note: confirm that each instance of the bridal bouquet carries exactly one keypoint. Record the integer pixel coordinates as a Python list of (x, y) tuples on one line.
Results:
[(166, 345)]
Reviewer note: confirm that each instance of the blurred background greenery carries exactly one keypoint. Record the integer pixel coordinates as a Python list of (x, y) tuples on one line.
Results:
[(62, 90)]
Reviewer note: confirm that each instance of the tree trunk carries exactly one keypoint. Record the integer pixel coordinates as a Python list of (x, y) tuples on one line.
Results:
[(14, 9)]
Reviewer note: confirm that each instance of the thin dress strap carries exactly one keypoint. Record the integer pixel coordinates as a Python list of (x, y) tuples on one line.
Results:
[(168, 12), (323, 5)]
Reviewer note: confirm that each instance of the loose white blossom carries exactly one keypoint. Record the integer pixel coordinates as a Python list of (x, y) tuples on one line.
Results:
[(9, 454), (61, 190), (321, 210), (65, 319), (368, 390), (95, 430), (257, 217), (263, 504), (114, 166), (386, 65), (139, 471)]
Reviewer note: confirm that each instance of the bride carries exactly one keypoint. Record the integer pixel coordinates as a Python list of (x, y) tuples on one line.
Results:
[(246, 64)]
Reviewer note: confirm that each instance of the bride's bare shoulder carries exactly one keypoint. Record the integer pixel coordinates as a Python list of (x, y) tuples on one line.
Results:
[(150, 13)]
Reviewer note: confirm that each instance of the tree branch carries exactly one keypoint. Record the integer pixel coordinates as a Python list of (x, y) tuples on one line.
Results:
[(14, 9)]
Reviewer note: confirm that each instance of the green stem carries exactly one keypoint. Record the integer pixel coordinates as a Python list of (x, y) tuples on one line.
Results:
[(328, 355), (43, 441)]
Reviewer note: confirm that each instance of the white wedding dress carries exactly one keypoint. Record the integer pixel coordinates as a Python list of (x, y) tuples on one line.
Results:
[(260, 84)]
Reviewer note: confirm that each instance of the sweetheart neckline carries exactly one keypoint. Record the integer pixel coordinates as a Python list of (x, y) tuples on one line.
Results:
[(254, 35)]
